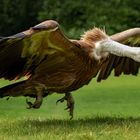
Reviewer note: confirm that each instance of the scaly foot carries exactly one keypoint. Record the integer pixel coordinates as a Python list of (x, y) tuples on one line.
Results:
[(70, 103), (36, 104), (39, 90)]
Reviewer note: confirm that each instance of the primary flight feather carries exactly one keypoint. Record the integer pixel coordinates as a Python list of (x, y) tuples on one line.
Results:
[(54, 63)]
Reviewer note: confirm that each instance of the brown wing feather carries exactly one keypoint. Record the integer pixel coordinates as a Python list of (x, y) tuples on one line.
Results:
[(121, 64), (22, 53), (10, 61)]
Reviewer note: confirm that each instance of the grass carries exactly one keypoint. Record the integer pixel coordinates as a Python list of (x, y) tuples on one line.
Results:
[(109, 110)]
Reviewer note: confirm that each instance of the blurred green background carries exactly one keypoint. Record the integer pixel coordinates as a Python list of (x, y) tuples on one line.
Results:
[(74, 16)]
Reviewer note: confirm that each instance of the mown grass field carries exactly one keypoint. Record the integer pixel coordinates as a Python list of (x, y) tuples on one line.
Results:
[(106, 111)]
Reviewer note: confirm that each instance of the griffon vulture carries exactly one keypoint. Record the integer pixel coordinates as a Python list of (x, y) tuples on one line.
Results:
[(54, 63)]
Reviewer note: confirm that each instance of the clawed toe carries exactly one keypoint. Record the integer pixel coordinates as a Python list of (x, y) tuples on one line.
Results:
[(70, 107), (36, 104), (61, 100), (30, 104), (70, 103), (70, 110)]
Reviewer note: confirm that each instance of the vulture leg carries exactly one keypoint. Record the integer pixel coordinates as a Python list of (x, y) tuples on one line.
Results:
[(70, 103), (39, 90), (36, 104)]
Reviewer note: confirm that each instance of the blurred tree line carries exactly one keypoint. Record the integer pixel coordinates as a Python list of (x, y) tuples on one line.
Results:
[(75, 17)]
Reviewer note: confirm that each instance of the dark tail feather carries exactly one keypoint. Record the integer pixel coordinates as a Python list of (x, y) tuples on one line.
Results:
[(12, 90)]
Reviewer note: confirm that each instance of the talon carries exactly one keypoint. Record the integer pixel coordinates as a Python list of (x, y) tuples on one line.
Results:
[(66, 108), (30, 104), (70, 110), (40, 90), (70, 103), (36, 104), (60, 100)]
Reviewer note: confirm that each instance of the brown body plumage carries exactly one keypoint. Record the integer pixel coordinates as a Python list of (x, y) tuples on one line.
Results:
[(54, 63)]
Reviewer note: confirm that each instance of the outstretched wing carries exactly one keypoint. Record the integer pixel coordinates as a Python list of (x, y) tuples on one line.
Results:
[(121, 64), (21, 53)]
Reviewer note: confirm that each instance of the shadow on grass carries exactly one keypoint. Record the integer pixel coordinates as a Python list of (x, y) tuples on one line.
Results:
[(36, 126), (85, 121)]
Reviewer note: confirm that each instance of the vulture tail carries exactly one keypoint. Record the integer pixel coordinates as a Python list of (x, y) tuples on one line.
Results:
[(15, 89)]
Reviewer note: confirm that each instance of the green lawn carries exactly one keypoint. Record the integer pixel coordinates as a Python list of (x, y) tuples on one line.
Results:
[(109, 110)]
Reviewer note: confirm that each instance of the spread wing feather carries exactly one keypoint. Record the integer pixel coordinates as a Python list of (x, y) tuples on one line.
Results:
[(20, 54), (121, 64)]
